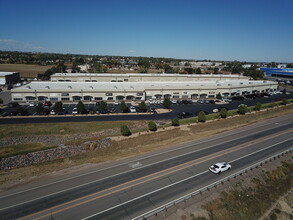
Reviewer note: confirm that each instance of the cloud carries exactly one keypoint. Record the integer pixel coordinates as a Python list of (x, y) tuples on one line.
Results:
[(8, 42), (14, 45), (131, 51)]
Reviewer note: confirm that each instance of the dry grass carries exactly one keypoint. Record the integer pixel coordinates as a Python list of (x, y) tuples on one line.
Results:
[(18, 149), (144, 143), (69, 128), (25, 70)]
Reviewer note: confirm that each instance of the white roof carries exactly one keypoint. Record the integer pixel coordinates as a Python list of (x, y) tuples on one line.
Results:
[(135, 86), (6, 73), (146, 75)]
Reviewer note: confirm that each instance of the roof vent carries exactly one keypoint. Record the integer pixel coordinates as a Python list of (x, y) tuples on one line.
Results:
[(91, 87), (47, 87), (69, 87), (28, 87)]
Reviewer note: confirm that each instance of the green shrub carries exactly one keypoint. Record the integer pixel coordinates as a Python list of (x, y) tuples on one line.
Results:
[(242, 109), (80, 107), (152, 126), (201, 117), (58, 107), (219, 96), (223, 113), (125, 130), (272, 105), (175, 122), (142, 106), (103, 107), (123, 107), (285, 102), (167, 103), (257, 106)]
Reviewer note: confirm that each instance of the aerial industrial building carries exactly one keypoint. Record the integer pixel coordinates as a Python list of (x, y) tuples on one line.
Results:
[(7, 78), (278, 72), (87, 87)]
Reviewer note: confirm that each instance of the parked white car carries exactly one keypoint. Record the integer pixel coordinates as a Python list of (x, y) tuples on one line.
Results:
[(52, 112), (174, 101), (132, 109), (220, 167), (74, 111)]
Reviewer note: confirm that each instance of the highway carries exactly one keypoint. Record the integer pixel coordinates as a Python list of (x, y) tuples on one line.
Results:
[(129, 187)]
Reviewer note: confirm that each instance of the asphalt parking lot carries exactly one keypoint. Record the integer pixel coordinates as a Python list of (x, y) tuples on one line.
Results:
[(176, 108)]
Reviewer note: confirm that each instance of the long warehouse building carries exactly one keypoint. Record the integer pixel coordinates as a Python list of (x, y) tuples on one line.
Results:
[(139, 87)]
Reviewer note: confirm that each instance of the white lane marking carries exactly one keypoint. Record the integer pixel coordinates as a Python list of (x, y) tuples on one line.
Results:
[(102, 179), (149, 193), (135, 165), (143, 158)]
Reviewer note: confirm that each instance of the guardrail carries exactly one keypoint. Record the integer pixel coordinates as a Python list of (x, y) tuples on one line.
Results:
[(164, 208)]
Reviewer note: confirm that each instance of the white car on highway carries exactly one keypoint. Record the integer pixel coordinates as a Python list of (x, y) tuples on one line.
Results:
[(220, 167)]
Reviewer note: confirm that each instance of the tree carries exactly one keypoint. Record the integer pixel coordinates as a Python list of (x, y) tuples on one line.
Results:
[(175, 122), (242, 109), (142, 106), (1, 101), (123, 107), (125, 130), (189, 70), (167, 103), (198, 71), (21, 111), (201, 117), (167, 68), (257, 106), (216, 70), (144, 65), (98, 68), (39, 108), (61, 67), (223, 113), (152, 126), (103, 107), (219, 96), (80, 107), (58, 107)]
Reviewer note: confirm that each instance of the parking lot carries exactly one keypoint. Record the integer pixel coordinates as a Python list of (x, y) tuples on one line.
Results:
[(91, 115)]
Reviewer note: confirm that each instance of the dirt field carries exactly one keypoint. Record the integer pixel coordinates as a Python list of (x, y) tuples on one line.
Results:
[(25, 70)]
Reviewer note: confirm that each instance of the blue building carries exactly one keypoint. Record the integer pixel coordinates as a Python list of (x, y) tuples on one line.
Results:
[(278, 72)]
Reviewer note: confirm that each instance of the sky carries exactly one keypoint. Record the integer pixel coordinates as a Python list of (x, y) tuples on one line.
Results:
[(244, 30)]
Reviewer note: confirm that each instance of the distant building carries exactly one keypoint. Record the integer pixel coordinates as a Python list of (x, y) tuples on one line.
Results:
[(278, 72), (84, 68), (246, 66), (282, 66), (9, 78)]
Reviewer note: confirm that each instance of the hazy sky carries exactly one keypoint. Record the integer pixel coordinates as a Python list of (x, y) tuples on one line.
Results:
[(245, 30)]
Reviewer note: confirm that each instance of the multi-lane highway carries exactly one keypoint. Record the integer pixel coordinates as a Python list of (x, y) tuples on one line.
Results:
[(127, 188)]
